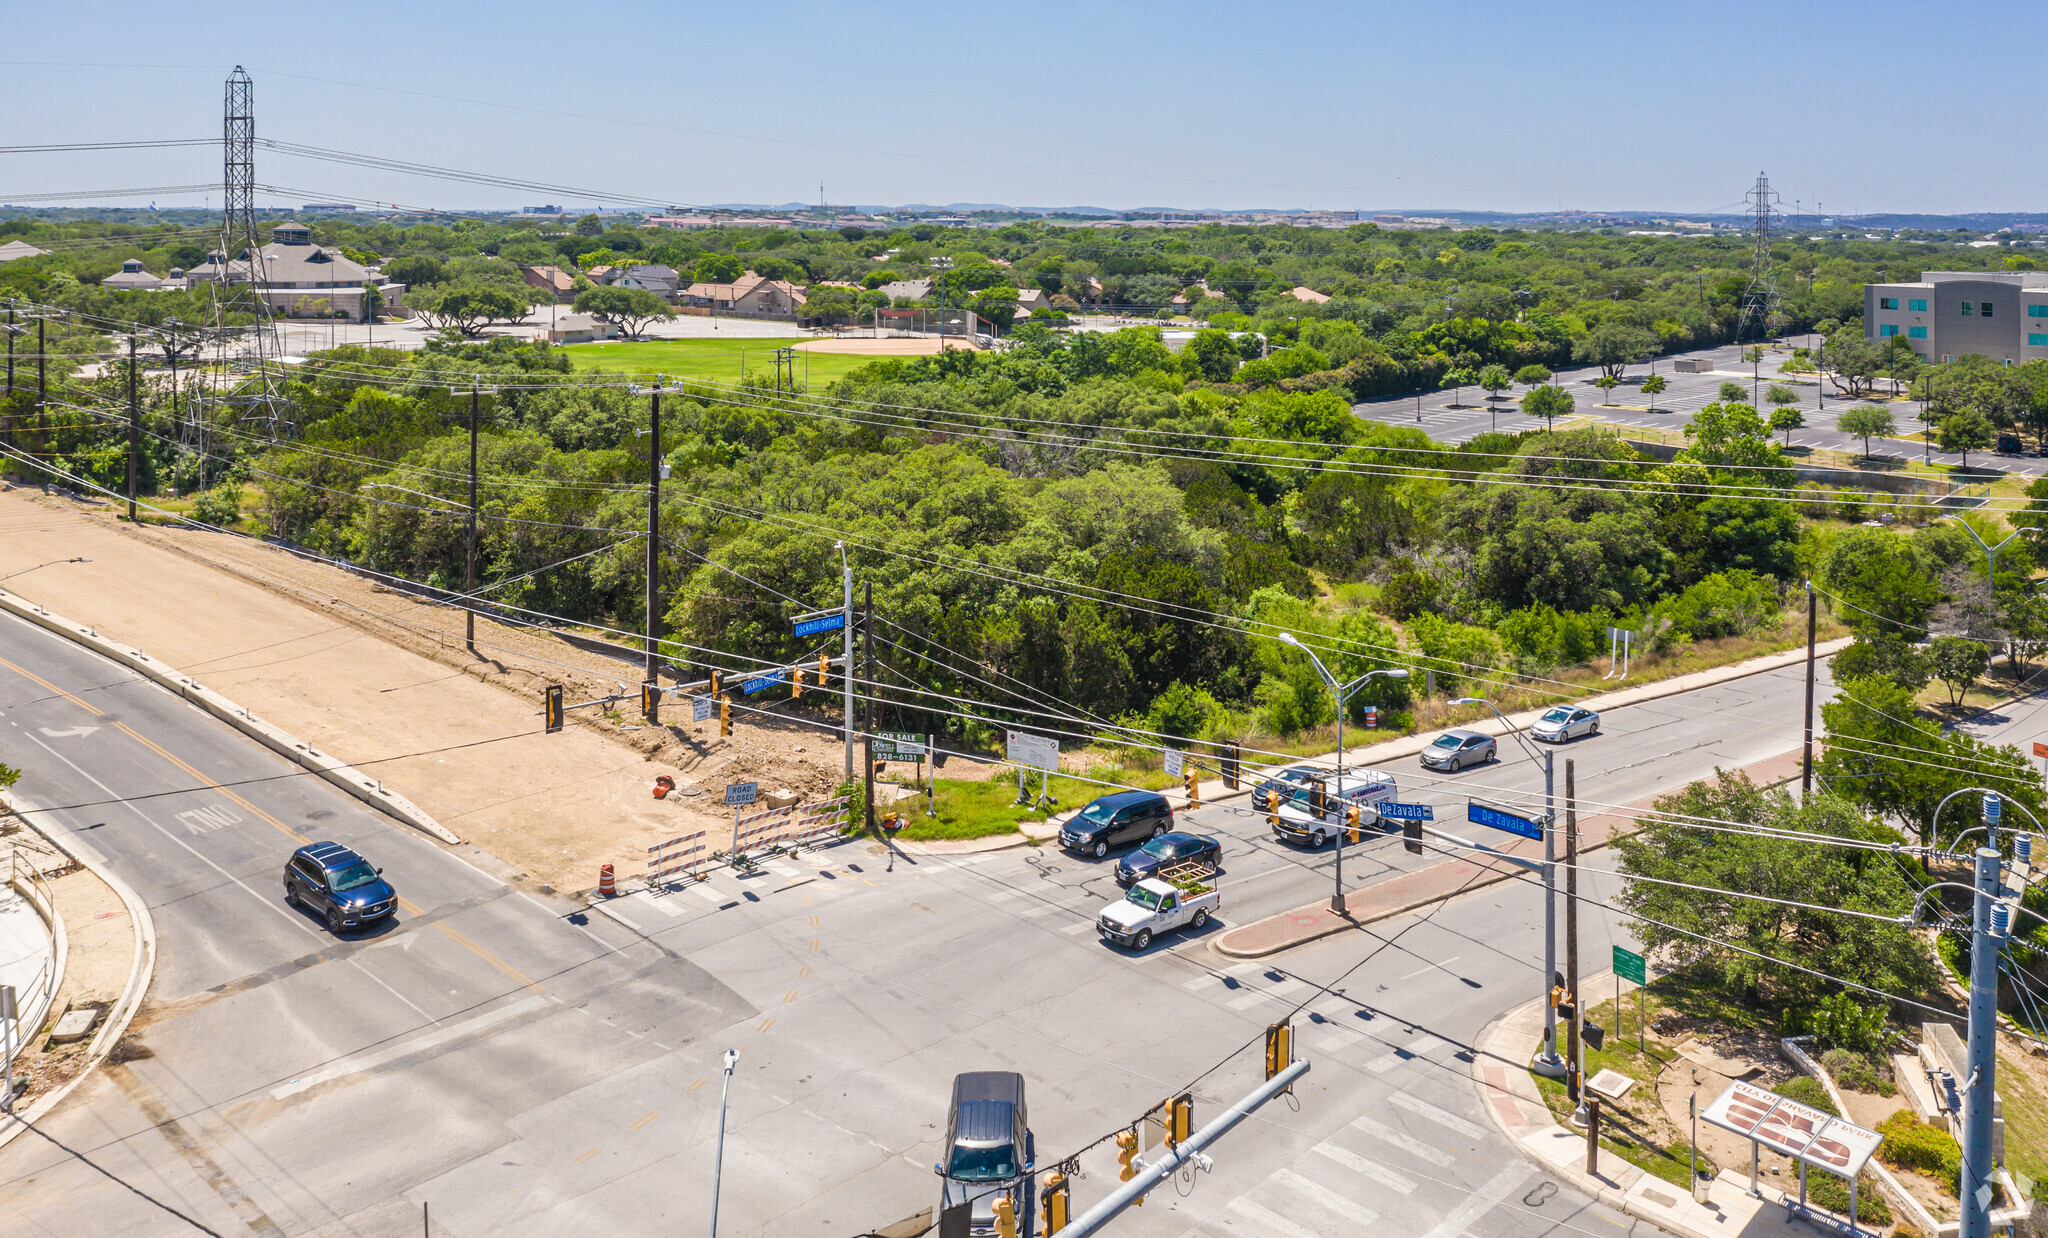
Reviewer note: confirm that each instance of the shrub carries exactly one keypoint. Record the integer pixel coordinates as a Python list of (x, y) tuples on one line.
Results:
[(1190, 713), (221, 506), (1839, 1023), (1910, 1143), (1731, 603), (1832, 1193), (1542, 639), (1456, 651), (1407, 595), (1808, 1091), (1859, 1072)]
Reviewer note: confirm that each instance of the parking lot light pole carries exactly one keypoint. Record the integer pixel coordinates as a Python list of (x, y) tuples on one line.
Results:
[(1338, 693), (1547, 1062)]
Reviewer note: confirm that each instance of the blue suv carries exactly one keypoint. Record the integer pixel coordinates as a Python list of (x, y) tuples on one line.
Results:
[(340, 885)]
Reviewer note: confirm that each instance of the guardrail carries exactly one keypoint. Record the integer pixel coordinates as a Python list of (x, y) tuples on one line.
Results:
[(32, 1001)]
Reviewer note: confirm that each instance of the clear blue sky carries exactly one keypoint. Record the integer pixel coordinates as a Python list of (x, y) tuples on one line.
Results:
[(1509, 106)]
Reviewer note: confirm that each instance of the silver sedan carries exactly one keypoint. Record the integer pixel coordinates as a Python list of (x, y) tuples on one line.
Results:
[(1565, 722)]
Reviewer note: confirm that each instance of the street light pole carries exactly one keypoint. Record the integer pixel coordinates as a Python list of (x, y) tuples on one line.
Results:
[(1339, 692), (1991, 561), (846, 635), (732, 1056)]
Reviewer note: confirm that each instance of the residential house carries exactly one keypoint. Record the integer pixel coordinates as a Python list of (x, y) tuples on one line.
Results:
[(132, 278), (19, 249), (551, 280), (578, 329), (299, 279), (1029, 299), (662, 281), (750, 296), (603, 274)]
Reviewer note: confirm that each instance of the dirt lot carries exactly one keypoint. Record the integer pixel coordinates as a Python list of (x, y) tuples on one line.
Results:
[(383, 680)]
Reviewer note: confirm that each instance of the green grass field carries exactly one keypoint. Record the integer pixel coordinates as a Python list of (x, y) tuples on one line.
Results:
[(715, 360)]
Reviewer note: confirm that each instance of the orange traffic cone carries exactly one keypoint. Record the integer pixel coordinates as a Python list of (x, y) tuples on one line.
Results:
[(605, 886)]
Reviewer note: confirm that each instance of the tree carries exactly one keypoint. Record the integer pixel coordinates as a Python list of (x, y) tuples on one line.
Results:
[(1212, 354), (1494, 380), (1867, 421), (1549, 403), (1532, 375), (1607, 383), (997, 304), (1457, 380), (1653, 386), (1779, 394), (413, 270), (631, 308), (1888, 587), (1614, 347), (590, 225), (1853, 361), (1958, 662), (1965, 430), (1731, 436), (469, 308), (718, 269), (1697, 929), (1787, 419)]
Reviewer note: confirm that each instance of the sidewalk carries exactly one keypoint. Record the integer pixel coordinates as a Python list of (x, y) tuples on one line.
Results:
[(1426, 885), (30, 960), (1500, 1071)]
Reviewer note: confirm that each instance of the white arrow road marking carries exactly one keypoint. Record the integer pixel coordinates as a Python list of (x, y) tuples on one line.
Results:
[(67, 732)]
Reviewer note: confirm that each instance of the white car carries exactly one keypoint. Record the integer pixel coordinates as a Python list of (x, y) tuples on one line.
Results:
[(1564, 722)]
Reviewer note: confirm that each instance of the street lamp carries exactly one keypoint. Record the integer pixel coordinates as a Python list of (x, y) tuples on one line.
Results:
[(1339, 692), (732, 1056), (52, 563), (1547, 1062), (1991, 559)]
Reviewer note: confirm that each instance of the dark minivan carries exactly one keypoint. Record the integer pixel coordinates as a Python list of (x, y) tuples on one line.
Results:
[(343, 887), (988, 1149), (1114, 820)]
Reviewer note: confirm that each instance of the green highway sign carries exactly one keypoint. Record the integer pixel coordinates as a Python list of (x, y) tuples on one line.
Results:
[(1629, 966)]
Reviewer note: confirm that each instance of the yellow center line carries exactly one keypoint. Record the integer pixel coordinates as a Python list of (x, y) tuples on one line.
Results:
[(587, 1155), (644, 1119)]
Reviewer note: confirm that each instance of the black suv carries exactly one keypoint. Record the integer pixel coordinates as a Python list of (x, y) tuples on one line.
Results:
[(1112, 820), (339, 884)]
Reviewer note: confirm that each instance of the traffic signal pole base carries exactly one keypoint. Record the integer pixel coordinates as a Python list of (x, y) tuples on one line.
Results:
[(1549, 1065)]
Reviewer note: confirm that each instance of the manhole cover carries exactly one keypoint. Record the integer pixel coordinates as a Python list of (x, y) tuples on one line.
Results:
[(689, 791), (1304, 921)]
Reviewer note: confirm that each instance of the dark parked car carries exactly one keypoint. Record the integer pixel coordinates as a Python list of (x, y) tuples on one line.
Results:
[(988, 1149), (343, 887), (1114, 820), (1172, 848)]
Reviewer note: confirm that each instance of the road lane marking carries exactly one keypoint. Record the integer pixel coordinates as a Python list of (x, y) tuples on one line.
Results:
[(1387, 1061), (813, 946), (1442, 1117), (1078, 927), (587, 1155), (1483, 1200), (1372, 1169), (1443, 966), (1042, 909), (789, 997), (643, 1120), (405, 1048), (694, 1085), (804, 972), (1414, 1147), (1348, 1209), (765, 1024), (1269, 1221)]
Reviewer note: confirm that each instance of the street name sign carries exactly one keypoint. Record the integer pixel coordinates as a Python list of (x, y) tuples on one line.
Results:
[(1407, 812), (1497, 819), (820, 623), (763, 682)]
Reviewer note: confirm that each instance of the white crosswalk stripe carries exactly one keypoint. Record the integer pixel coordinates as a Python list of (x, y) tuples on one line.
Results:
[(1442, 1117), (1274, 992), (1268, 1221), (1372, 1169), (1078, 927), (705, 891), (1413, 1147), (1037, 910), (1349, 1209), (1483, 1200), (1387, 1061)]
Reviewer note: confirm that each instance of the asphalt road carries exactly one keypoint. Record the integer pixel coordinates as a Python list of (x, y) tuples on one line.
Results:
[(518, 1067), (1457, 416)]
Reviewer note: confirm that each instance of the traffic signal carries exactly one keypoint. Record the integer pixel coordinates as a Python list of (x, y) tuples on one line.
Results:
[(1273, 818), (1126, 1155), (1595, 1035), (714, 683), (1192, 781), (1411, 836), (556, 714), (796, 682), (650, 702), (1056, 1202), (1006, 1217), (1230, 766), (1180, 1119), (724, 716), (1352, 833), (1279, 1048), (824, 669)]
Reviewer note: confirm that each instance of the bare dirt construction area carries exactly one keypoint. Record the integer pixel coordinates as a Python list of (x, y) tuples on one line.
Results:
[(888, 346), (383, 680)]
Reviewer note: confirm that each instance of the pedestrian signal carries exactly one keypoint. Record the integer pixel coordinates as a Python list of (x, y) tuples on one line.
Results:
[(1411, 836)]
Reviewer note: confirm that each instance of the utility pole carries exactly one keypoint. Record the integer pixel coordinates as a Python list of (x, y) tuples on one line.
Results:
[(42, 392), (1547, 1062), (1806, 763), (846, 637), (1980, 1091), (867, 739), (469, 534), (653, 527), (1575, 1066), (134, 428)]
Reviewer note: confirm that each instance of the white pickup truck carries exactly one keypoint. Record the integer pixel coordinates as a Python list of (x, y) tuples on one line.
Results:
[(1312, 814), (1182, 896)]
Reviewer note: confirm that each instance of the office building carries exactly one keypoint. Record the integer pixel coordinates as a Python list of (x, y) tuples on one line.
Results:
[(1998, 314)]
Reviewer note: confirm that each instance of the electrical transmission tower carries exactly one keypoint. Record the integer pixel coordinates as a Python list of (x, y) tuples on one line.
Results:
[(1760, 300), (239, 241)]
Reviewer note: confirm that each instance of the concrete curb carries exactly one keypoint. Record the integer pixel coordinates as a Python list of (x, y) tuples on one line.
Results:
[(60, 951), (140, 973), (369, 790)]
